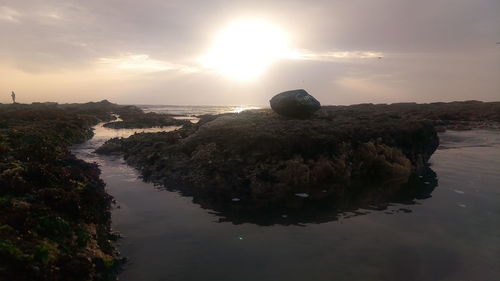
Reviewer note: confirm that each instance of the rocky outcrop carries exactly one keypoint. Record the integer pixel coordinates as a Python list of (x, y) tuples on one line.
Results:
[(134, 118), (263, 160), (295, 104), (55, 220)]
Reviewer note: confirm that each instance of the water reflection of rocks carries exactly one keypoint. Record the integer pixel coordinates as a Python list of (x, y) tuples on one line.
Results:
[(280, 170), (386, 198)]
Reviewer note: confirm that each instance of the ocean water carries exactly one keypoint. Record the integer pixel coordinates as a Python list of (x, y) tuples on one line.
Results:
[(189, 110), (452, 235), (191, 113)]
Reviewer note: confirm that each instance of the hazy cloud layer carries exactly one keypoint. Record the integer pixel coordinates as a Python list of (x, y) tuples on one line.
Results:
[(343, 51)]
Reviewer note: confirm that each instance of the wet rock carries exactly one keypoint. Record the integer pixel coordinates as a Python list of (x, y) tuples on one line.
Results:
[(136, 119), (295, 104), (48, 197), (343, 157), (268, 161)]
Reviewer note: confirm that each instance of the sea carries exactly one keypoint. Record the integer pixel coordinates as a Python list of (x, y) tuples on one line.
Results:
[(453, 234), (192, 112)]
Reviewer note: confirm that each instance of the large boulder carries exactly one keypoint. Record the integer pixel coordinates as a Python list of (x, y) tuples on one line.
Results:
[(295, 104)]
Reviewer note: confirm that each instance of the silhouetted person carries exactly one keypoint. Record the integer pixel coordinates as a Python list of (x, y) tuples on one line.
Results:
[(13, 97)]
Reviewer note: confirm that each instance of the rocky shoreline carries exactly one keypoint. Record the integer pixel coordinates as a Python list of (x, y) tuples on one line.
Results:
[(54, 210), (134, 118), (258, 160), (55, 213)]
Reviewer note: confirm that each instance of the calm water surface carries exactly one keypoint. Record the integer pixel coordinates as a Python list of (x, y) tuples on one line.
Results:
[(454, 235)]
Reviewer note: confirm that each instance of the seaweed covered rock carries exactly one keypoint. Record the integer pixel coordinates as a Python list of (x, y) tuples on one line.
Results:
[(54, 210), (295, 104), (264, 160)]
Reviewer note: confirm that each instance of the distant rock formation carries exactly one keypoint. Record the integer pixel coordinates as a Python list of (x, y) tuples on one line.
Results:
[(295, 104)]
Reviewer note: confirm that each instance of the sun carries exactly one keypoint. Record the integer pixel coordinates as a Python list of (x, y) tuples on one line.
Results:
[(245, 49)]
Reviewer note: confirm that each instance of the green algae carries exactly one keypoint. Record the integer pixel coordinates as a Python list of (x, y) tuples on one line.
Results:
[(54, 211)]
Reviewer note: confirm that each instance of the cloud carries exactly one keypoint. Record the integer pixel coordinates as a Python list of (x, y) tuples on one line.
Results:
[(130, 63), (435, 50), (141, 63), (8, 14), (332, 56), (380, 86)]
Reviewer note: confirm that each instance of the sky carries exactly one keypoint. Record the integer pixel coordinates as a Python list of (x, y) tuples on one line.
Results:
[(229, 52)]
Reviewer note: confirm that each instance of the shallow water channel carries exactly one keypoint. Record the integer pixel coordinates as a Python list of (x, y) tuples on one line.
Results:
[(453, 235)]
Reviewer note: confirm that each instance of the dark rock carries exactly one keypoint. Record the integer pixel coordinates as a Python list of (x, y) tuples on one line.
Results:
[(341, 158), (295, 104), (137, 119), (265, 160), (54, 210)]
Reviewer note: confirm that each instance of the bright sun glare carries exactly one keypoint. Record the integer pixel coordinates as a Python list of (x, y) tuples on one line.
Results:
[(244, 49)]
